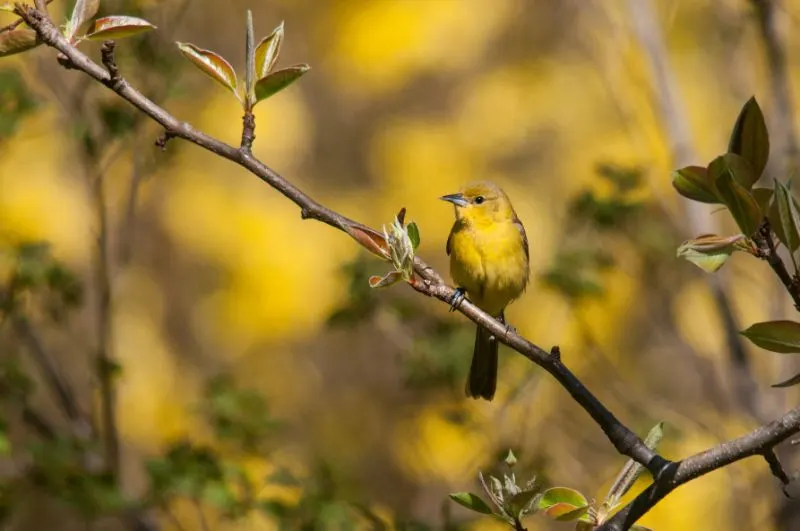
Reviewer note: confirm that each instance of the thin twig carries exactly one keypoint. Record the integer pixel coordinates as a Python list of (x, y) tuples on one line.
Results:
[(775, 466), (48, 368), (105, 365), (17, 23), (769, 252)]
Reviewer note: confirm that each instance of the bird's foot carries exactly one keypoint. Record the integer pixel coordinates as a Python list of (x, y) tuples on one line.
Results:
[(509, 329), (458, 298)]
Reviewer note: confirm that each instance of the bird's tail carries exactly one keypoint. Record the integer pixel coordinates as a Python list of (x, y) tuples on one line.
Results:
[(482, 380)]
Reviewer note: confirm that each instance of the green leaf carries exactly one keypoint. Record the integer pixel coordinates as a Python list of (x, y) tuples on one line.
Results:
[(788, 216), (556, 495), (279, 80), (632, 470), (510, 459), (775, 336), (413, 233), (392, 277), (693, 182), (267, 52), (471, 501), (83, 11), (710, 252), (250, 61), (741, 204), (117, 27), (18, 41), (763, 197), (654, 436), (750, 138), (740, 168), (794, 380), (370, 239), (214, 65)]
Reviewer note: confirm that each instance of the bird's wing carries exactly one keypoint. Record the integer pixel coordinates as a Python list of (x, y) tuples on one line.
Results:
[(521, 229), (456, 227), (449, 238)]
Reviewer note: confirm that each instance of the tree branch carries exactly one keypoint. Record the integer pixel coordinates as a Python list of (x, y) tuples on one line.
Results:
[(769, 252), (758, 442), (105, 368)]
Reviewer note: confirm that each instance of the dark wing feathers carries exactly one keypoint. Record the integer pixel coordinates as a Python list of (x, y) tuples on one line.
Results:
[(521, 230)]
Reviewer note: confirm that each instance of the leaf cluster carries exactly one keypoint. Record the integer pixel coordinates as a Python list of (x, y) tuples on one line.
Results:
[(510, 503), (767, 217)]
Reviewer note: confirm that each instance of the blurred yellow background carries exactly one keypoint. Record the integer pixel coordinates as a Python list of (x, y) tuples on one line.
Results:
[(406, 101)]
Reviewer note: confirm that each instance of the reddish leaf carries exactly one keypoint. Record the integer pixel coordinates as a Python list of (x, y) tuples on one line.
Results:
[(370, 240), (565, 512), (214, 65), (710, 252), (17, 41), (392, 277), (117, 27)]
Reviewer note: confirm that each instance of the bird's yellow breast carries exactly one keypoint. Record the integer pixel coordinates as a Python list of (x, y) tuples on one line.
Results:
[(489, 261)]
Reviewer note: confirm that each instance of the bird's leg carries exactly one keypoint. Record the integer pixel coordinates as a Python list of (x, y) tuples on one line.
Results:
[(458, 298), (509, 328)]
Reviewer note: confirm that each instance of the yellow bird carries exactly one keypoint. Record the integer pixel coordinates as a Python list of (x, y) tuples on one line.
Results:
[(488, 252)]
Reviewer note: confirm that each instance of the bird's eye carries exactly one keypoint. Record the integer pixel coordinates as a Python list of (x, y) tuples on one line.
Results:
[(480, 199)]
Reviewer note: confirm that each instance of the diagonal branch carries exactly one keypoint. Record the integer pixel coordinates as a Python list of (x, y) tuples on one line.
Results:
[(430, 283), (758, 442)]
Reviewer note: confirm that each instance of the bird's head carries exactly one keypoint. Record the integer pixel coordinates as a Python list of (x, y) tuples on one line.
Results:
[(482, 202)]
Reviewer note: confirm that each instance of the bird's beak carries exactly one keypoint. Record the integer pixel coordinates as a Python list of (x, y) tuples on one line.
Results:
[(457, 199)]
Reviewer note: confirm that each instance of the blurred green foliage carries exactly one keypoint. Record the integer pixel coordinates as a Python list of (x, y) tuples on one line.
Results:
[(16, 101)]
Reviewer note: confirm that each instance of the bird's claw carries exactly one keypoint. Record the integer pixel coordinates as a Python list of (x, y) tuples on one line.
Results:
[(510, 329), (457, 299)]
